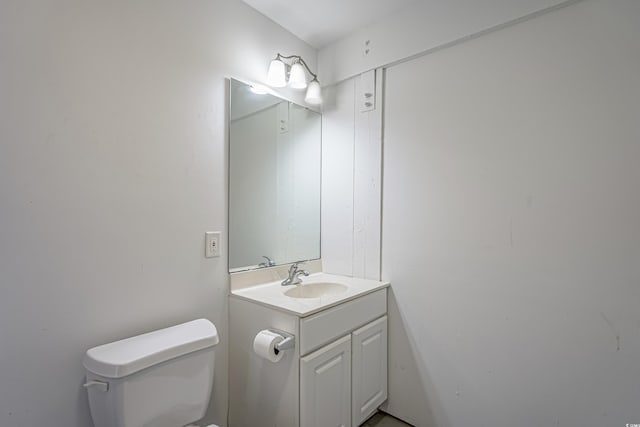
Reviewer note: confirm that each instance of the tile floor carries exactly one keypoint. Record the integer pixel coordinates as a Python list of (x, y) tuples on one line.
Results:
[(383, 420)]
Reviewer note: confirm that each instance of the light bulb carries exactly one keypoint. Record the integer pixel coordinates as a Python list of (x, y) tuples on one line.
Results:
[(276, 75), (297, 77), (314, 93)]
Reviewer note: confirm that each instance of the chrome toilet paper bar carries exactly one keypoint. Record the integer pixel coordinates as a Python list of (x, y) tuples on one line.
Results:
[(288, 342)]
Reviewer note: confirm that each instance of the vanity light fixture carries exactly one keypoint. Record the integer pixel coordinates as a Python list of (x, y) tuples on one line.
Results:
[(293, 73)]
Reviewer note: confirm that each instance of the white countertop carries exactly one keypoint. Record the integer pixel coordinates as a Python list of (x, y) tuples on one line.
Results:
[(272, 294)]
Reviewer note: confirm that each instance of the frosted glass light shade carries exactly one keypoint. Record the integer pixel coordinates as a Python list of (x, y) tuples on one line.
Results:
[(276, 76), (314, 94), (297, 77)]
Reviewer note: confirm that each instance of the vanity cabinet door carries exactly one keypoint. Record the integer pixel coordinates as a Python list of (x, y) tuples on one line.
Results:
[(325, 386), (369, 369)]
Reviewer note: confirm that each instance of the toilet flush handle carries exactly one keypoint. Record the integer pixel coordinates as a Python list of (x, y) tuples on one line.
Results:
[(100, 385)]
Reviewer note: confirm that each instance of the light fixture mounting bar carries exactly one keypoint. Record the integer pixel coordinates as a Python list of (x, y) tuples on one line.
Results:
[(299, 58)]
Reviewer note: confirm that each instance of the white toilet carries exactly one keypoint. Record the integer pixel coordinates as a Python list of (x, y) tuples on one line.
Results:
[(160, 379)]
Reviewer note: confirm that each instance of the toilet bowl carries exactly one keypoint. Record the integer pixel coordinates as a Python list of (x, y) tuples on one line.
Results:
[(159, 379)]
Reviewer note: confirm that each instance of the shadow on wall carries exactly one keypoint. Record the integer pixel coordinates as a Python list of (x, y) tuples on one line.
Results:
[(405, 365)]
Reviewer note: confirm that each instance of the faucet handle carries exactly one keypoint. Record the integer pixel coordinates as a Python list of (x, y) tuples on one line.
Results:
[(294, 266), (294, 274)]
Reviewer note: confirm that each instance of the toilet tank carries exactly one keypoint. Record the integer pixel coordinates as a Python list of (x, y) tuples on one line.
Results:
[(160, 379)]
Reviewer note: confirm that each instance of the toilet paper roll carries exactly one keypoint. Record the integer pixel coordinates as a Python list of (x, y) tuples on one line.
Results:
[(264, 345)]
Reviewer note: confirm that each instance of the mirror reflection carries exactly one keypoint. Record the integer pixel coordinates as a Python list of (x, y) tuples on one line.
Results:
[(274, 180)]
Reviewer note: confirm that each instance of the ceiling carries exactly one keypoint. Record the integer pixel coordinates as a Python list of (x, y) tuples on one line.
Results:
[(321, 22)]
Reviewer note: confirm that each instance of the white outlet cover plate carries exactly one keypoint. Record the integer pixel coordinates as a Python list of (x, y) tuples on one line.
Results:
[(211, 244)]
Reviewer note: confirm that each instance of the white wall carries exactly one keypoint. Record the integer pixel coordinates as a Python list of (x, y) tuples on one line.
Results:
[(338, 117), (352, 140), (351, 180), (112, 167), (425, 26), (510, 225)]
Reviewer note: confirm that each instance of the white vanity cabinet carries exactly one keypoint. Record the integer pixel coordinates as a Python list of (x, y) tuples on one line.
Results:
[(325, 386), (368, 369), (335, 377), (343, 383)]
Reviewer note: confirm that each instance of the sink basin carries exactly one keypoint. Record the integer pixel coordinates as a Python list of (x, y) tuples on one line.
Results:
[(316, 290)]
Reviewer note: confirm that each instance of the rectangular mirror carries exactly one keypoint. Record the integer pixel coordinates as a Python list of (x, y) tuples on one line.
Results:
[(274, 180)]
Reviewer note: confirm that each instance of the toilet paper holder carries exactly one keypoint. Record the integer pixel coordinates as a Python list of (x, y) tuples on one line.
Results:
[(288, 342)]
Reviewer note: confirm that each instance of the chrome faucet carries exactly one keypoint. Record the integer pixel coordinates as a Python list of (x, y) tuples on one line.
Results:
[(294, 275)]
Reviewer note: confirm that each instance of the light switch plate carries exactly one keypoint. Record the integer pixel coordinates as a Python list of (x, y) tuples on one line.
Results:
[(212, 244)]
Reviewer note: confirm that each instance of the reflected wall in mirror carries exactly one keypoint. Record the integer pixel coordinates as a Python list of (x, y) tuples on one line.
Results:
[(274, 180)]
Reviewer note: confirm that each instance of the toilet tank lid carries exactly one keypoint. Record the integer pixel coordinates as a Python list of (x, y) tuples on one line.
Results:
[(125, 357)]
